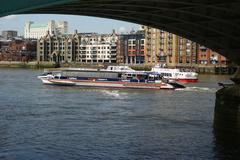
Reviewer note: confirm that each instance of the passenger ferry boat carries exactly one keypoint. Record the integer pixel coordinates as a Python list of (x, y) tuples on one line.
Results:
[(176, 74), (107, 79)]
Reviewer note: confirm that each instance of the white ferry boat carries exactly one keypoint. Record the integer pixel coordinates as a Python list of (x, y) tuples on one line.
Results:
[(107, 79), (176, 74)]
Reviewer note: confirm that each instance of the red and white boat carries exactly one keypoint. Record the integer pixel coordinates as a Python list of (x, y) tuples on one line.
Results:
[(179, 75)]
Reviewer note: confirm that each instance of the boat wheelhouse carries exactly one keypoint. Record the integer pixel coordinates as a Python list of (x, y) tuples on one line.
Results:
[(120, 69)]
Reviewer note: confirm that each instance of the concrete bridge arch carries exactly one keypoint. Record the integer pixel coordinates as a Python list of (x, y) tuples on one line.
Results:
[(213, 23)]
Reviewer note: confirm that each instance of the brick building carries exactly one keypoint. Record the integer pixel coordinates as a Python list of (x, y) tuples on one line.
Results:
[(131, 48), (207, 57), (18, 50), (168, 48)]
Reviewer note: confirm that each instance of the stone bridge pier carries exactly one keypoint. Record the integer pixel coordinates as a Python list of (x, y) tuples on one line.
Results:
[(227, 106), (227, 119)]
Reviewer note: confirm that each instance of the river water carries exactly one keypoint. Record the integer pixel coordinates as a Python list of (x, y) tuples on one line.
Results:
[(41, 122)]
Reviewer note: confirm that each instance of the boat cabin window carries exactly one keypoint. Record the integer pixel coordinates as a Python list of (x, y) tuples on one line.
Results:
[(154, 77), (134, 76), (167, 74), (119, 75), (126, 76), (151, 77), (57, 77)]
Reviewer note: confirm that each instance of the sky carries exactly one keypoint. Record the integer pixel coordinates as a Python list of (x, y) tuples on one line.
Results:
[(81, 23)]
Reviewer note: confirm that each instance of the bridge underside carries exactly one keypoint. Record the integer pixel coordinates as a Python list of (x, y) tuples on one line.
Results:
[(213, 23)]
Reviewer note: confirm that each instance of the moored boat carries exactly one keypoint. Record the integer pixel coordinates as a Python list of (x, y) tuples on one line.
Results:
[(108, 79), (180, 75)]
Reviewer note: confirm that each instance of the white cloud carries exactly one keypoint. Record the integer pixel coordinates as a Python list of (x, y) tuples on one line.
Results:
[(122, 30), (10, 17)]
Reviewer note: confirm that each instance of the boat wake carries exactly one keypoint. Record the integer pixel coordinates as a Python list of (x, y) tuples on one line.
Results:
[(111, 93), (115, 94), (197, 89)]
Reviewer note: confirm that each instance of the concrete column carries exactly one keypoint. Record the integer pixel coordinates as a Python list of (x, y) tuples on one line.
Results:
[(227, 120)]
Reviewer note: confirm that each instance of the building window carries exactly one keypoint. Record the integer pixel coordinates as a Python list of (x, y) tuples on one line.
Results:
[(180, 60)]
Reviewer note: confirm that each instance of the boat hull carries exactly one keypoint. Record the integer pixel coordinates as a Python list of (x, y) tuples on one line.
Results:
[(107, 84), (187, 80)]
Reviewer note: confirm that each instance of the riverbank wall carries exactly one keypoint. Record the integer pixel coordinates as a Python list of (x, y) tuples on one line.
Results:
[(217, 70), (34, 65), (40, 65)]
